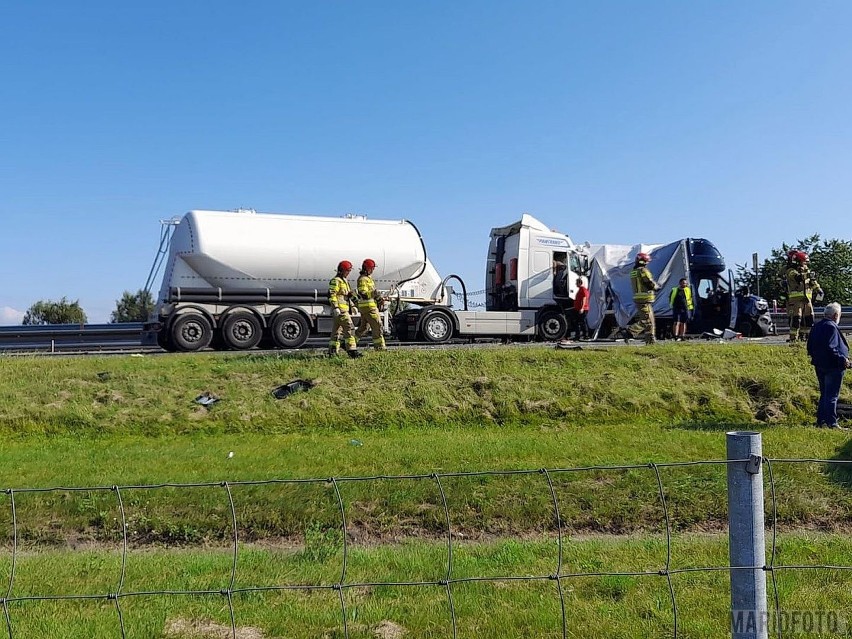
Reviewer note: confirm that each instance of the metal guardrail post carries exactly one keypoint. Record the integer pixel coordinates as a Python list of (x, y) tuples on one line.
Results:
[(749, 612)]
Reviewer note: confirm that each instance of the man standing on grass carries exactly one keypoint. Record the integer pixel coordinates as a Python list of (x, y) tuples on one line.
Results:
[(829, 354)]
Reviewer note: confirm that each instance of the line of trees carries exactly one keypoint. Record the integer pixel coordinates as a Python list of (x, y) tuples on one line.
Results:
[(830, 260), (132, 307)]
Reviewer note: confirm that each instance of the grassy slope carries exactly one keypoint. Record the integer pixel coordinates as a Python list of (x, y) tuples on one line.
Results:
[(682, 385), (407, 412), (397, 413)]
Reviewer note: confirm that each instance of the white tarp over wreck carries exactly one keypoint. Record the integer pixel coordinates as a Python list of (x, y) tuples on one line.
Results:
[(609, 278)]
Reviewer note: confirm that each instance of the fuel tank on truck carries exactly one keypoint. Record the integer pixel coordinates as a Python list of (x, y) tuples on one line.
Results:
[(293, 254)]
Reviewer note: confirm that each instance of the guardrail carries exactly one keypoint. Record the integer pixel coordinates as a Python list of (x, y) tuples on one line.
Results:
[(71, 337), (783, 322), (79, 337)]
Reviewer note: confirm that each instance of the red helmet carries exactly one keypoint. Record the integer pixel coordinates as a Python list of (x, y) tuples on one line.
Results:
[(368, 263), (345, 265), (797, 256), (643, 257)]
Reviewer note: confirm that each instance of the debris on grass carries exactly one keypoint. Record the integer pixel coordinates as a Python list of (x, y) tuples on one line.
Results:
[(297, 385), (206, 399)]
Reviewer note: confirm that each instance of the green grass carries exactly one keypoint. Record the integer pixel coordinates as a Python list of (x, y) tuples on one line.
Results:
[(137, 424), (131, 421), (630, 606), (685, 385)]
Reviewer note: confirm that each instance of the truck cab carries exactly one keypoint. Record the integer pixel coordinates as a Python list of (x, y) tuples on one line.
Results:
[(530, 266), (711, 287)]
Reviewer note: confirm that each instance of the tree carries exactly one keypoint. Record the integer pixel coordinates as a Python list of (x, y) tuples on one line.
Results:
[(133, 307), (49, 312), (830, 260)]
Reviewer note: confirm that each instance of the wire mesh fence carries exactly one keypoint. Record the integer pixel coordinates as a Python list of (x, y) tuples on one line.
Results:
[(239, 500)]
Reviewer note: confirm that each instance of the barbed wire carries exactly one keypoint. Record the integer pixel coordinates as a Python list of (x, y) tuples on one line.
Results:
[(448, 579)]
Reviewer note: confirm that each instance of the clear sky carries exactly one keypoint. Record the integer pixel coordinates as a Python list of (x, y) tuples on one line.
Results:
[(615, 122)]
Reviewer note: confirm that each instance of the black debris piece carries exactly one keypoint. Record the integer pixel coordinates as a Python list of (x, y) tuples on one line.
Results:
[(104, 376), (285, 390), (206, 399)]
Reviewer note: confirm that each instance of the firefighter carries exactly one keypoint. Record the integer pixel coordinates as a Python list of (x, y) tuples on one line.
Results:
[(644, 288), (339, 297), (370, 303), (801, 285)]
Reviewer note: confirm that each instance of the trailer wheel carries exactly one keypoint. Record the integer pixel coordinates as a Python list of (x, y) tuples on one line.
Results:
[(241, 331), (191, 332), (165, 342), (290, 329), (552, 326), (437, 328)]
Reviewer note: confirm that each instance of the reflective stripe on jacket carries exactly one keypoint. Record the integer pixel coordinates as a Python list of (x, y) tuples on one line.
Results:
[(643, 285), (338, 294), (800, 283), (687, 296), (367, 293)]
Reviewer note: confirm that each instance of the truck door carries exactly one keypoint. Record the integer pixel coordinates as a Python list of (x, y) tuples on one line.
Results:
[(712, 298)]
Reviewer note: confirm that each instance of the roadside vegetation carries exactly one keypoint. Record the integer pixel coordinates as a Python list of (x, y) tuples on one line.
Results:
[(85, 422), (133, 422)]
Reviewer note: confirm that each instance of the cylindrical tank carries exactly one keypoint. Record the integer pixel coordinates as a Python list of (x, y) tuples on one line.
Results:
[(293, 254)]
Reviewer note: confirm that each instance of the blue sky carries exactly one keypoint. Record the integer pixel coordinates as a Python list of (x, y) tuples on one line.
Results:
[(615, 122)]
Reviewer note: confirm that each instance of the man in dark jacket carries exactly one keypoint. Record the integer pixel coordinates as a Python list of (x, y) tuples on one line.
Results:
[(829, 354)]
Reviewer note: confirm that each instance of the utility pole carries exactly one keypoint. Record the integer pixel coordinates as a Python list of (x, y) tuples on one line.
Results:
[(756, 274)]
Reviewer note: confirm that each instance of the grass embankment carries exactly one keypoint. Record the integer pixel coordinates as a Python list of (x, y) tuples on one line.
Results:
[(131, 421), (632, 607)]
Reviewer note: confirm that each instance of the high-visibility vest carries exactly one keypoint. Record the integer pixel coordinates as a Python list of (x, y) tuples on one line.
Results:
[(338, 294), (643, 285), (368, 296), (687, 293)]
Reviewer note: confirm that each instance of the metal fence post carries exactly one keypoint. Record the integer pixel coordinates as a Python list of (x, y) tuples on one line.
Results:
[(749, 612)]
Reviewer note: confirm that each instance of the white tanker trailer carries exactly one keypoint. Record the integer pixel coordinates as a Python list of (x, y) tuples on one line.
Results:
[(233, 278), (236, 278)]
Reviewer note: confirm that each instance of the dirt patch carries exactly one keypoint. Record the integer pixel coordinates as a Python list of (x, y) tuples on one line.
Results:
[(204, 629), (389, 630), (199, 413), (766, 406), (770, 412), (108, 397), (482, 386)]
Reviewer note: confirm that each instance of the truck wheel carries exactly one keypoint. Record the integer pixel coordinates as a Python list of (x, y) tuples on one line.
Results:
[(241, 331), (437, 328), (290, 329), (191, 332), (165, 342), (552, 326)]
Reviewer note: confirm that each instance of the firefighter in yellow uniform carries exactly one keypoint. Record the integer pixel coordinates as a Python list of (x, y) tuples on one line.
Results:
[(644, 288), (339, 295), (370, 303), (801, 285)]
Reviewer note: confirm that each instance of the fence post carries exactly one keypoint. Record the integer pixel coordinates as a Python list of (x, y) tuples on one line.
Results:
[(749, 613)]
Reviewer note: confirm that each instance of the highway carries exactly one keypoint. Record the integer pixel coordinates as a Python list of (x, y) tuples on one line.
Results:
[(111, 338)]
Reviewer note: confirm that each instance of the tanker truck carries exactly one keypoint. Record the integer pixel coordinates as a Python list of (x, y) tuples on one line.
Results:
[(237, 279), (234, 279)]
